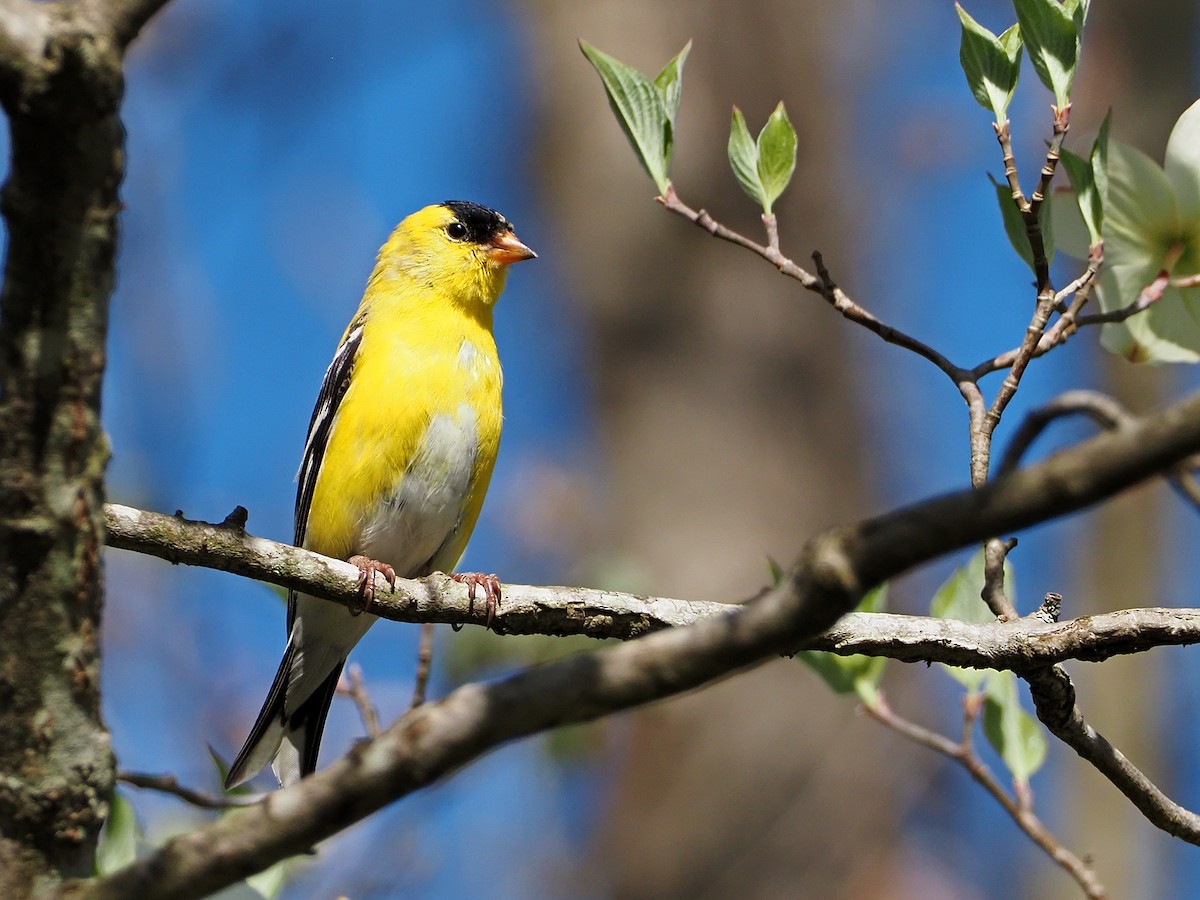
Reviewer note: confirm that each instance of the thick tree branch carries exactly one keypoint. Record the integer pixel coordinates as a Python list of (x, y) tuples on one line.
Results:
[(833, 571), (24, 30), (1106, 412), (125, 19), (1020, 644), (524, 609)]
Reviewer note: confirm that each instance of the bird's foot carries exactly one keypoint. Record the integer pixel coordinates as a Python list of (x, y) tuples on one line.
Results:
[(366, 580), (491, 590)]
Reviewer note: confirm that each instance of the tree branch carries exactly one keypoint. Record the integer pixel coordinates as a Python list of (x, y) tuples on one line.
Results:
[(1018, 644), (1019, 808), (169, 784), (820, 283), (524, 609), (833, 571), (125, 19), (1054, 699), (1106, 412), (351, 685)]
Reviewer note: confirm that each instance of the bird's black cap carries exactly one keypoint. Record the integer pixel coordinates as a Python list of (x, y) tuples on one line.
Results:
[(482, 224)]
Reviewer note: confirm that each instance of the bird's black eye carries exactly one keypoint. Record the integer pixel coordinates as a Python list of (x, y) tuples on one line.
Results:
[(456, 230)]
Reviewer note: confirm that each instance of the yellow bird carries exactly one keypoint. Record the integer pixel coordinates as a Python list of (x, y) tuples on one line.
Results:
[(399, 453)]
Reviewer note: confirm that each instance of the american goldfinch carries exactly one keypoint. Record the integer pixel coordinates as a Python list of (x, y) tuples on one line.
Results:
[(399, 453)]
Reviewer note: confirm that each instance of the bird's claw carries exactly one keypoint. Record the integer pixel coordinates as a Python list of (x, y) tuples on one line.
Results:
[(367, 568), (491, 591)]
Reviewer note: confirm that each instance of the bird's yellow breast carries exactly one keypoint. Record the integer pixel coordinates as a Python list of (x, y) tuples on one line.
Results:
[(414, 441)]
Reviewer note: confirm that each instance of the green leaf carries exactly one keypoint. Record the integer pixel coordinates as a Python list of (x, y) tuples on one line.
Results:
[(1078, 10), (1010, 40), (776, 156), (119, 838), (1047, 224), (221, 766), (1089, 179), (856, 674), (992, 64), (764, 167), (1014, 733), (640, 108), (1014, 225), (776, 571), (1099, 160), (743, 158), (1079, 171), (670, 83), (269, 883), (1051, 32), (960, 598)]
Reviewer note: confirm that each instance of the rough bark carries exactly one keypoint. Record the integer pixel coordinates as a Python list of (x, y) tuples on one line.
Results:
[(60, 86)]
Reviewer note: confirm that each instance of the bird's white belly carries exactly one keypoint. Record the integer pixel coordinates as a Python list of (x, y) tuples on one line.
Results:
[(409, 527)]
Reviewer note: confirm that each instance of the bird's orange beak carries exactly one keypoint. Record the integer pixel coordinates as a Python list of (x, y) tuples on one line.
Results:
[(506, 249)]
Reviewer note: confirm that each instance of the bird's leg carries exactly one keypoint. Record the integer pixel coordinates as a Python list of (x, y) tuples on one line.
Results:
[(366, 579), (491, 590)]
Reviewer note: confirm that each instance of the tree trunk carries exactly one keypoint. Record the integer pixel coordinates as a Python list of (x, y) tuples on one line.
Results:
[(729, 421), (60, 205)]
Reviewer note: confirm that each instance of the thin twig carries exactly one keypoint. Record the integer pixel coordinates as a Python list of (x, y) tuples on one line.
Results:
[(1067, 323), (1102, 409), (351, 685), (1004, 137), (1149, 295), (168, 784), (424, 664), (818, 285), (1046, 297), (1033, 336), (1054, 700), (972, 708), (1095, 258), (979, 440), (995, 552), (1080, 291), (771, 223), (1062, 119), (1019, 808)]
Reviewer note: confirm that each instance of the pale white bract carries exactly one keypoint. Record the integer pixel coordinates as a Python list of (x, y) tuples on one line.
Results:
[(1151, 224)]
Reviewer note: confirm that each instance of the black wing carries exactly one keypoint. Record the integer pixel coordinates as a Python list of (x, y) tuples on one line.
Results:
[(333, 389)]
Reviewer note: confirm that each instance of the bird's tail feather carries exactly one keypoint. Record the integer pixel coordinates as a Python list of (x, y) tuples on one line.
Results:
[(268, 730), (301, 738), (289, 742)]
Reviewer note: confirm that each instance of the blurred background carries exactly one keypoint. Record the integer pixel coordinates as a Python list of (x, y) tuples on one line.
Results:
[(675, 414)]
